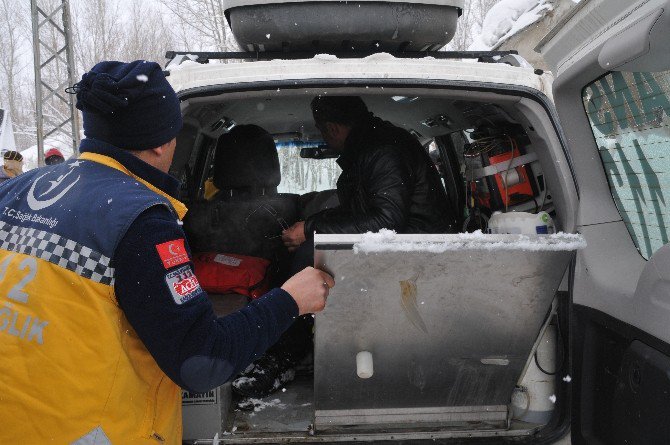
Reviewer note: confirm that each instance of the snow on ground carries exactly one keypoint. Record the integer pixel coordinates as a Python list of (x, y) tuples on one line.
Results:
[(259, 404), (507, 18)]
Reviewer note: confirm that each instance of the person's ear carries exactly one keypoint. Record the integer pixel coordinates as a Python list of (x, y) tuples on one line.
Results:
[(158, 151), (327, 129), (341, 131), (335, 130)]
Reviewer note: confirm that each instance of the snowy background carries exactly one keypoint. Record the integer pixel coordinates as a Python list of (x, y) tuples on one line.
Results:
[(507, 18), (145, 29)]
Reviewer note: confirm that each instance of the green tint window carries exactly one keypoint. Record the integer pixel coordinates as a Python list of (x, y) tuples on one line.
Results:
[(629, 115)]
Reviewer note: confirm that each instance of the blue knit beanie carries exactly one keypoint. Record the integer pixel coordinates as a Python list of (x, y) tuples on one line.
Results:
[(129, 105)]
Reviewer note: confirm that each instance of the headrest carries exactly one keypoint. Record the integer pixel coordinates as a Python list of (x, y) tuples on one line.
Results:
[(246, 158), (347, 110)]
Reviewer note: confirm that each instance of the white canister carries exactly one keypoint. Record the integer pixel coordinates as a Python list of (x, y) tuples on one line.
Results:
[(521, 223), (364, 365)]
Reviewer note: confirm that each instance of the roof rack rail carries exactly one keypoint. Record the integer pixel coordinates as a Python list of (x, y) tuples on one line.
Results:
[(205, 57)]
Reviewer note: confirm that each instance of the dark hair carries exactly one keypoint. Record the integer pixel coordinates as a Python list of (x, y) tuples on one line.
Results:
[(347, 110), (53, 160)]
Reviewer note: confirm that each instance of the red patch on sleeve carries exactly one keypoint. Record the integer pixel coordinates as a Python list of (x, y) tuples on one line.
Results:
[(173, 253)]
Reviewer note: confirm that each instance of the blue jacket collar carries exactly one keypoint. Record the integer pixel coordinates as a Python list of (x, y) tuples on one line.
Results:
[(157, 178)]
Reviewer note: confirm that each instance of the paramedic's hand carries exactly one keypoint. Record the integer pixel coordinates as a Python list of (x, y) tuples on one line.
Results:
[(309, 288), (294, 236)]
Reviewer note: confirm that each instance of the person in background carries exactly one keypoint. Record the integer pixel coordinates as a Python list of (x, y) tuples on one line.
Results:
[(12, 165), (53, 156), (103, 319)]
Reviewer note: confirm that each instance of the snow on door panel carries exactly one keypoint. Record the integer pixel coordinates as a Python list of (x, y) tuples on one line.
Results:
[(629, 116)]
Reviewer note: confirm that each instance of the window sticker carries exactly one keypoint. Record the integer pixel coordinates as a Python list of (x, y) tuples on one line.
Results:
[(629, 114)]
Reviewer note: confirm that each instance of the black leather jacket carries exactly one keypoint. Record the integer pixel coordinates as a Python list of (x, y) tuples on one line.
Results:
[(387, 182)]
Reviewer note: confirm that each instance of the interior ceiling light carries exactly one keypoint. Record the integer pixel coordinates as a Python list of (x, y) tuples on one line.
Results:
[(224, 123)]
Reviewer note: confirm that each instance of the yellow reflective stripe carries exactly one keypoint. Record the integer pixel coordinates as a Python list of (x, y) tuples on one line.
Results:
[(178, 206), (94, 437)]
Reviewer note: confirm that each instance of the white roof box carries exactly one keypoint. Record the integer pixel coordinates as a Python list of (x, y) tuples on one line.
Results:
[(342, 26)]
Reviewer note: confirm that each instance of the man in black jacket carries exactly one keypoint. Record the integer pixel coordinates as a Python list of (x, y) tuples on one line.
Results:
[(388, 180)]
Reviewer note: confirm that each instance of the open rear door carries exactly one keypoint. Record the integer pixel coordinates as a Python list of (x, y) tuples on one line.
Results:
[(430, 332), (612, 92)]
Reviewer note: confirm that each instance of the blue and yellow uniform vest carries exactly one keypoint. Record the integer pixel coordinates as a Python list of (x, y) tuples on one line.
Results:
[(72, 370)]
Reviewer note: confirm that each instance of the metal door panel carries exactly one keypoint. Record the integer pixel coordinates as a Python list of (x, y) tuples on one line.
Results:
[(446, 328)]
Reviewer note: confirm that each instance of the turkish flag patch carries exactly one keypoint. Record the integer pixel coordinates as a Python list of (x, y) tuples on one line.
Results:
[(173, 253)]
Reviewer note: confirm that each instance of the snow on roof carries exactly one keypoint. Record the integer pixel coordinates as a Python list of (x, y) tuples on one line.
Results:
[(190, 75), (507, 18)]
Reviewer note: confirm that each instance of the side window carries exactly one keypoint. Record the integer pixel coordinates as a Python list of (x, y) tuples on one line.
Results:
[(629, 114)]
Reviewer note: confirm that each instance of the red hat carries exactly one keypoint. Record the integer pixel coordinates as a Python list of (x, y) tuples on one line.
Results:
[(53, 152)]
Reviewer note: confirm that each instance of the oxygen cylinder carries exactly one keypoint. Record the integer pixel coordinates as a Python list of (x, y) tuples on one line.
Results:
[(532, 399)]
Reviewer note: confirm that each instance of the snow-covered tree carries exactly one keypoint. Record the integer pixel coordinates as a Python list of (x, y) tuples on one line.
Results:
[(16, 86), (470, 23), (200, 24), (137, 29)]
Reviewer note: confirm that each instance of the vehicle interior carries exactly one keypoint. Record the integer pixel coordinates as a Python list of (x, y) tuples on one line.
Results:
[(494, 151), (455, 130)]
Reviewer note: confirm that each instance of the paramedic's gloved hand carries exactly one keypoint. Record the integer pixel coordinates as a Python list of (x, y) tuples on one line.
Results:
[(294, 236), (309, 288)]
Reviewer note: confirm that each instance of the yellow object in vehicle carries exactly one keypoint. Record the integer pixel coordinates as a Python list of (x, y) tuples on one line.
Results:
[(210, 189)]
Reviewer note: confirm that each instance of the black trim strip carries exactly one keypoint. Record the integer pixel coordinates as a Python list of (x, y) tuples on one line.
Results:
[(334, 247), (205, 57), (622, 328)]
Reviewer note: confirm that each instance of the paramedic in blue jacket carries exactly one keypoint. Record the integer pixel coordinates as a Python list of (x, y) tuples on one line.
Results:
[(102, 317)]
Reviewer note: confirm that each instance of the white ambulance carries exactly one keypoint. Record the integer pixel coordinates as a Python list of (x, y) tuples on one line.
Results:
[(498, 334)]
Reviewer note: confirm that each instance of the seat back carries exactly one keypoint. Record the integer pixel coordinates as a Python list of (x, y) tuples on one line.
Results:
[(246, 227), (247, 215)]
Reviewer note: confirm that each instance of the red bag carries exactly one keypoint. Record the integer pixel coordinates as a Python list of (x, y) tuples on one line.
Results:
[(227, 273)]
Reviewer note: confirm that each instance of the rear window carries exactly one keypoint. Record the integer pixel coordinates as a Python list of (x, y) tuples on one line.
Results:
[(301, 175), (629, 115)]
